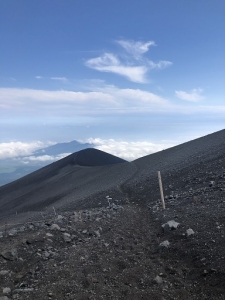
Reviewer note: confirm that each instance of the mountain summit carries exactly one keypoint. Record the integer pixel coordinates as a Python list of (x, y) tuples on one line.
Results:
[(91, 157), (76, 176)]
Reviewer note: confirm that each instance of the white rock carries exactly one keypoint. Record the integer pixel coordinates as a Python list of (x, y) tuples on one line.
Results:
[(66, 234), (46, 254), (59, 217), (190, 232), (172, 224), (165, 244), (49, 234), (4, 272), (97, 233), (6, 290), (158, 279), (12, 232), (67, 237), (55, 227)]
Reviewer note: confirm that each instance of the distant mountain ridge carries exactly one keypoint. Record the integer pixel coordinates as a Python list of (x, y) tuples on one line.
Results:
[(83, 179), (80, 173), (59, 148), (12, 169)]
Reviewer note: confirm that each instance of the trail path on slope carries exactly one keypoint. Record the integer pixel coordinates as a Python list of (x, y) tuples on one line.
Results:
[(122, 186)]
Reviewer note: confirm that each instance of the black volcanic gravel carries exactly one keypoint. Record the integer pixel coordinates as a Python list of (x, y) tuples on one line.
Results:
[(113, 249)]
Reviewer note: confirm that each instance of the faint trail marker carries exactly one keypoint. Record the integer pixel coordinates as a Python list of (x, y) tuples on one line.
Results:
[(161, 190), (108, 199), (54, 210)]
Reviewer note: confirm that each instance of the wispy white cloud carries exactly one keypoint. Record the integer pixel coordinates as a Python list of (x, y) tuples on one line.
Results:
[(136, 49), (110, 63), (192, 96), (134, 67), (63, 79), (57, 78), (15, 149), (104, 99), (128, 150), (69, 102), (162, 64)]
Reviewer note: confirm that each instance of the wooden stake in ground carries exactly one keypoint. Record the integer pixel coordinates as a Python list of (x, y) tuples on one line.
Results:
[(161, 190), (54, 210)]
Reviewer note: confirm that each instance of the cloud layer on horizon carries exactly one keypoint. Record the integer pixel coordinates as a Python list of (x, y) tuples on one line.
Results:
[(18, 103), (124, 149), (128, 150), (16, 149)]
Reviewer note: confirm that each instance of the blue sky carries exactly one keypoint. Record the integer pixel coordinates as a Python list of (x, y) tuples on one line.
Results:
[(131, 76)]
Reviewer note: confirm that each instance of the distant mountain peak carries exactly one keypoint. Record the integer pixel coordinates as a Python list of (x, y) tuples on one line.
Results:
[(94, 157)]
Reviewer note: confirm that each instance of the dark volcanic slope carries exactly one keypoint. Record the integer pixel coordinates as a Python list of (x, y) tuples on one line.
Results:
[(202, 155), (63, 183), (114, 251), (66, 183)]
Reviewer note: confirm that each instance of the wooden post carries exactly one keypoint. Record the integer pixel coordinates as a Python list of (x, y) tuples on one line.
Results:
[(161, 190), (54, 210)]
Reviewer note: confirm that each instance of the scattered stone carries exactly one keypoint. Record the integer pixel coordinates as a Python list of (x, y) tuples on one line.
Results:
[(21, 229), (205, 272), (158, 279), (12, 232), (9, 255), (55, 227), (1, 234), (4, 272), (172, 224), (165, 244), (190, 232), (6, 290), (49, 234), (46, 254), (97, 233), (4, 298), (67, 237)]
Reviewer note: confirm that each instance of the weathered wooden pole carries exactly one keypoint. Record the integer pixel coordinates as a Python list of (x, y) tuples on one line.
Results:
[(54, 210), (161, 190)]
